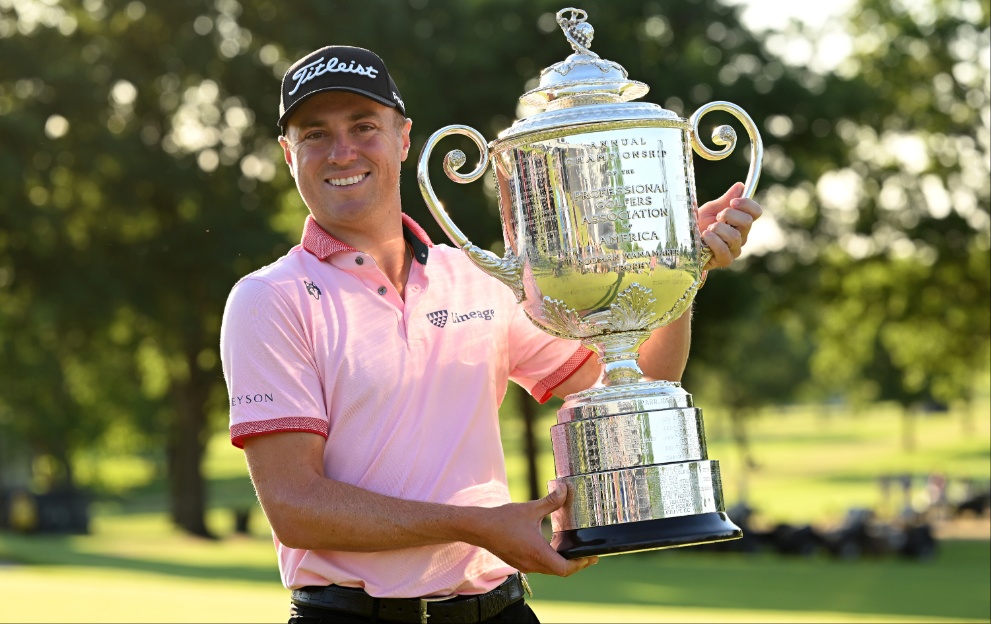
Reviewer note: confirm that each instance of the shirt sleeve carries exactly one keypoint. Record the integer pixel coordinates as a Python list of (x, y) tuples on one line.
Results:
[(538, 361), (273, 383)]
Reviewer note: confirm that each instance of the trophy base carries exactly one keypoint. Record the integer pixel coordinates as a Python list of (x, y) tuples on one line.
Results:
[(630, 537)]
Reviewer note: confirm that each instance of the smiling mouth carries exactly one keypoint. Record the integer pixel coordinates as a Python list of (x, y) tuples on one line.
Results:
[(347, 181)]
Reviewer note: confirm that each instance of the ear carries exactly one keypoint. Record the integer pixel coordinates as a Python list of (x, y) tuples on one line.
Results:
[(284, 142), (404, 133)]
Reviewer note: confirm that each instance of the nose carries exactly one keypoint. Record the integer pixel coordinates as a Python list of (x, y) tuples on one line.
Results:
[(341, 150)]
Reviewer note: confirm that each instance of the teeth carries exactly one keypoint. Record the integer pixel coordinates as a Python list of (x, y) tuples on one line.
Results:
[(347, 181)]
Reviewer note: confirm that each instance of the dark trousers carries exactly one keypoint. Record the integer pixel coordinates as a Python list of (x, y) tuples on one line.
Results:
[(517, 612)]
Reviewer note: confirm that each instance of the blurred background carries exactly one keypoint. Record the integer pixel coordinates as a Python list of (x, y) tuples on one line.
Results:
[(843, 365)]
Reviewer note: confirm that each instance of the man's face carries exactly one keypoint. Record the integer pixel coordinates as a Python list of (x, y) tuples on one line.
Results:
[(345, 151)]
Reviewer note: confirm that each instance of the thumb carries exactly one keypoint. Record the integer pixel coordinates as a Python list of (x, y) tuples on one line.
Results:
[(554, 500), (733, 192), (710, 210)]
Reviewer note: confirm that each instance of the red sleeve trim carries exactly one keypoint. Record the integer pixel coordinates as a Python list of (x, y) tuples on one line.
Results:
[(542, 391), (241, 431)]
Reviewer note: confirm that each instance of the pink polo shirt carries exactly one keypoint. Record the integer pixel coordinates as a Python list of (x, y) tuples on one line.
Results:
[(406, 393)]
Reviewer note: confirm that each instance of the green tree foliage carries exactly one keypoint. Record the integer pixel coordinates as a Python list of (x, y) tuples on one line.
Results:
[(136, 192), (904, 284)]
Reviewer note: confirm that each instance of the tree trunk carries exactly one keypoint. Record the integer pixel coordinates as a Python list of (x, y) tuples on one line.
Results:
[(187, 431), (738, 419), (58, 446), (529, 414)]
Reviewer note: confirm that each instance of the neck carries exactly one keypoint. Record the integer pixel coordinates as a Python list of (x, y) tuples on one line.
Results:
[(389, 249), (396, 267), (383, 241)]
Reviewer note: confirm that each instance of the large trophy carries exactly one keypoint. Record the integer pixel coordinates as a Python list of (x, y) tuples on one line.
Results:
[(598, 208)]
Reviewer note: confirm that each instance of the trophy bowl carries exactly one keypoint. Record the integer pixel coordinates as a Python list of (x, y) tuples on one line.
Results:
[(598, 207)]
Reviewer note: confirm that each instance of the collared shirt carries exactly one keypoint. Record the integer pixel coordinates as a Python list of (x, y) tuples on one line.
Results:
[(406, 392)]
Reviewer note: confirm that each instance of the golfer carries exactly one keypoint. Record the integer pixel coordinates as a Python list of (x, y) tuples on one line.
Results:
[(366, 367)]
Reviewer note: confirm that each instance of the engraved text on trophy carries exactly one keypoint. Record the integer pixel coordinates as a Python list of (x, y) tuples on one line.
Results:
[(602, 211)]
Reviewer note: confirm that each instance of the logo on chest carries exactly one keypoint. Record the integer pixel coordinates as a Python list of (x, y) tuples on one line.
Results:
[(313, 289), (440, 317)]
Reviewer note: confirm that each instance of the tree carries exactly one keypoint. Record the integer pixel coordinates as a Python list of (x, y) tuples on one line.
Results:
[(905, 280), (132, 181)]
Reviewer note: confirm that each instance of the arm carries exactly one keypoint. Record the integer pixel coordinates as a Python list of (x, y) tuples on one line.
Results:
[(725, 224), (309, 511)]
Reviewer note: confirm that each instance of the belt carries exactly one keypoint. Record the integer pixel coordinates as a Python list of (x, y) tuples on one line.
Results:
[(457, 610)]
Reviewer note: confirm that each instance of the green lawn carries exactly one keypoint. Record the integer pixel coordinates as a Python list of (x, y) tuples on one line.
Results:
[(134, 567)]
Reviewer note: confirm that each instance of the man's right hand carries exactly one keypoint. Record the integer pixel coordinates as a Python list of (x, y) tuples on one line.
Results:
[(512, 533)]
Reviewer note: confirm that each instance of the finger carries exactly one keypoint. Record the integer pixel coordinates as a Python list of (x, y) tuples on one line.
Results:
[(729, 235), (736, 218), (720, 203), (731, 193), (721, 254), (747, 205), (576, 565), (741, 221)]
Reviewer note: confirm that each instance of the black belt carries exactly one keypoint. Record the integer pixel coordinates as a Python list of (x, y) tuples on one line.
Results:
[(457, 610)]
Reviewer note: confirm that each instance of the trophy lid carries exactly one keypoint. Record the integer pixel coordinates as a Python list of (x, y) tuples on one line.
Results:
[(600, 88), (584, 77)]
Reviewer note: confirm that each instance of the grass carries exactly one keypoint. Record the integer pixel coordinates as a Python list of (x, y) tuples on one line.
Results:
[(134, 567), (768, 583)]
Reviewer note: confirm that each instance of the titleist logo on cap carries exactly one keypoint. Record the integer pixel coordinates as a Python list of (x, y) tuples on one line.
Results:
[(337, 68), (310, 71)]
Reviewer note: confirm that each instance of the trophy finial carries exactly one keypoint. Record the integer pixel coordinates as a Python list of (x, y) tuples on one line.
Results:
[(577, 30), (584, 77)]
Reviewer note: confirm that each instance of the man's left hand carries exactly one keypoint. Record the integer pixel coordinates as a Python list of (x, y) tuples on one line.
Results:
[(725, 224)]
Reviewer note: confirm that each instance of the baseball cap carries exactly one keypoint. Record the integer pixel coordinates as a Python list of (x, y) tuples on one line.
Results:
[(338, 68)]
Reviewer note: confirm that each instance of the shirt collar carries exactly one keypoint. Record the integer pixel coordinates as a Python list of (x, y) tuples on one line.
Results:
[(323, 245)]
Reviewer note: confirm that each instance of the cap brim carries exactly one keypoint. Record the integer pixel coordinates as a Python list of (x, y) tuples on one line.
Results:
[(371, 96)]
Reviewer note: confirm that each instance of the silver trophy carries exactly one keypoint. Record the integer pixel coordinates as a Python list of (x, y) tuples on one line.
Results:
[(598, 208)]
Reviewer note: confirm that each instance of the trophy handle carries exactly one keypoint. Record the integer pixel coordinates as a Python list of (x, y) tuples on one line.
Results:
[(508, 270), (726, 136)]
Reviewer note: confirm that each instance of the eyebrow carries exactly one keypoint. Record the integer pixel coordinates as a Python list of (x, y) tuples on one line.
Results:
[(359, 115)]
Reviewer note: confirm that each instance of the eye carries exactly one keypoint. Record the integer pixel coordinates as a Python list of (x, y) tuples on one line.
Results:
[(314, 135), (365, 127)]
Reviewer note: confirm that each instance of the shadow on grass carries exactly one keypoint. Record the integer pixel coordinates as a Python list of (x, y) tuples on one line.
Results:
[(984, 453), (63, 551), (954, 586)]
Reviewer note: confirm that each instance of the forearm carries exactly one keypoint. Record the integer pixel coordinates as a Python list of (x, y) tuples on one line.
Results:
[(665, 354), (329, 515), (309, 511)]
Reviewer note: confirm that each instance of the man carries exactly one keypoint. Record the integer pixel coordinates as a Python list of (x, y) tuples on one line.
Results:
[(369, 422)]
